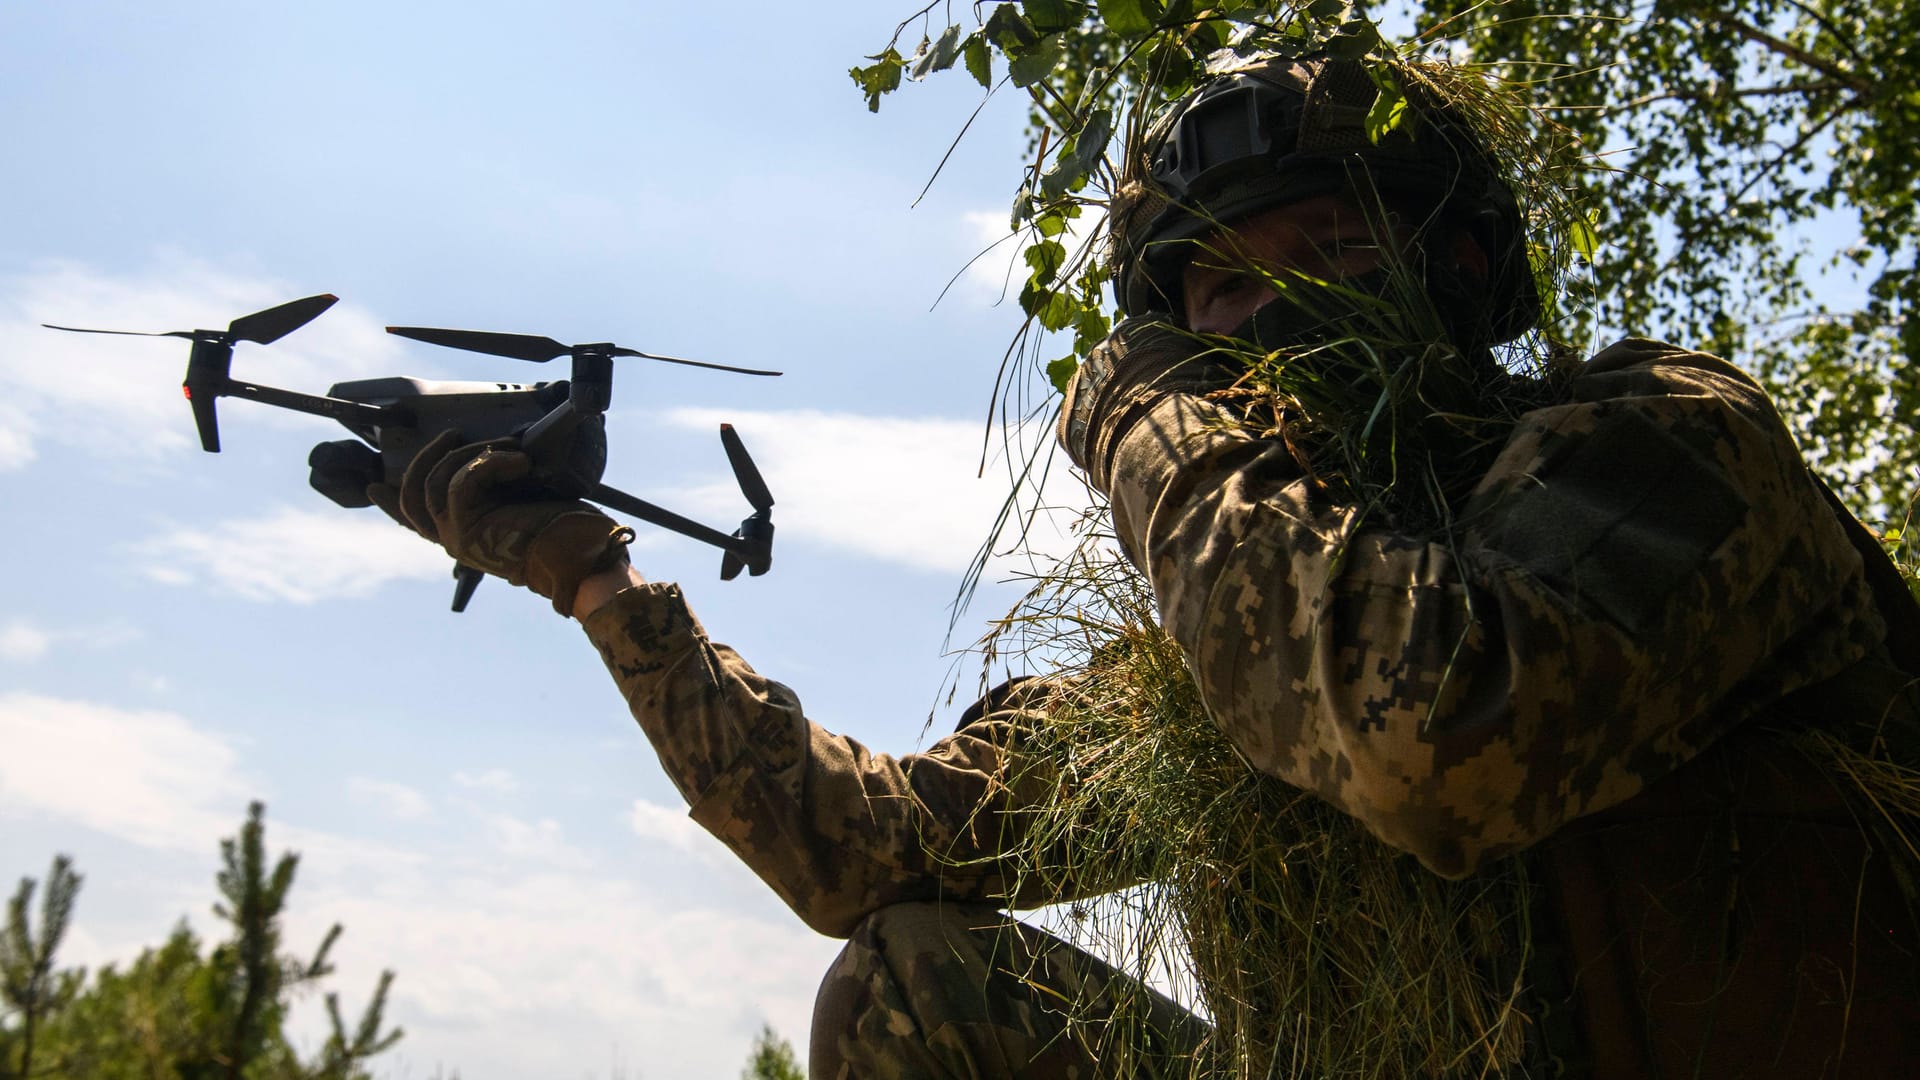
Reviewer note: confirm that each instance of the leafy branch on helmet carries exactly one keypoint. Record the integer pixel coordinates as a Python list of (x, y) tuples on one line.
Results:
[(1116, 67), (1738, 153), (1095, 73)]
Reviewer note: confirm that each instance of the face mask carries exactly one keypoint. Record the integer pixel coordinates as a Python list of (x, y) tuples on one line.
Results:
[(1362, 308)]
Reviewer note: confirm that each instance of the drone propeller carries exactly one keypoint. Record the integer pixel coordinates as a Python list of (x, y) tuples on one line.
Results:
[(263, 327), (212, 356), (188, 334), (757, 530), (542, 349), (744, 470), (269, 326)]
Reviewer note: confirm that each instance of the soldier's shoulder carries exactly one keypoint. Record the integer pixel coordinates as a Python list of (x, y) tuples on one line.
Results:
[(1644, 367), (1018, 693), (1645, 353)]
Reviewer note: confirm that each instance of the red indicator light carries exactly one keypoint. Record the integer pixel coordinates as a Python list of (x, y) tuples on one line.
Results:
[(186, 391)]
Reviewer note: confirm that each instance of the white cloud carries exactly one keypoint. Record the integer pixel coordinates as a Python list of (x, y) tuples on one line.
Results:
[(1001, 267), (22, 642), (498, 967), (497, 781), (671, 826), (292, 555), (504, 950), (16, 438), (541, 841), (148, 777), (895, 488), (395, 800), (69, 387)]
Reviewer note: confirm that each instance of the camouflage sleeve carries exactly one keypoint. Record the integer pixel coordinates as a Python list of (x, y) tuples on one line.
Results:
[(1645, 565), (835, 830)]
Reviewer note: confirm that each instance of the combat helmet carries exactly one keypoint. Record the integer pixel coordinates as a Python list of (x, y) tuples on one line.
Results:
[(1274, 131)]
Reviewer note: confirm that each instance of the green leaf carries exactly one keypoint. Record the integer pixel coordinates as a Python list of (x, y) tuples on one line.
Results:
[(883, 77), (1054, 309), (1058, 312), (1045, 258), (1023, 208), (941, 56), (1009, 29), (1581, 235), (1059, 177), (1127, 18), (1051, 224), (1054, 14), (1354, 40), (1092, 327), (1389, 107), (1327, 9), (1060, 372), (1036, 62), (1091, 142), (980, 60)]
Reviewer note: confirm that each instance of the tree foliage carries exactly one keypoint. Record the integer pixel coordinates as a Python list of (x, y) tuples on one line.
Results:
[(29, 986), (772, 1058), (179, 1012), (1734, 153), (1749, 147)]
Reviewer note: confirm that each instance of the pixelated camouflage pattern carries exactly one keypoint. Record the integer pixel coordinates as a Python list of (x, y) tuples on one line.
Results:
[(1646, 565), (836, 830)]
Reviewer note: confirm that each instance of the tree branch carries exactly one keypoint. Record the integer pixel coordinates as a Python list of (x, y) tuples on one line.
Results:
[(1757, 36), (1816, 86), (1833, 31)]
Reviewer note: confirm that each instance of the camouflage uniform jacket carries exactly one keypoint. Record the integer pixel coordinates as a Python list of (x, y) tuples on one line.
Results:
[(1645, 565)]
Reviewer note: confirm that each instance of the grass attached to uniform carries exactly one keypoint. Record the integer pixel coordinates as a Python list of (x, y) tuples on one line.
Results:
[(1316, 950)]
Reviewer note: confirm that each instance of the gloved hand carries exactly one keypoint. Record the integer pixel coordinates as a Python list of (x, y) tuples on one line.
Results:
[(473, 502), (1143, 359)]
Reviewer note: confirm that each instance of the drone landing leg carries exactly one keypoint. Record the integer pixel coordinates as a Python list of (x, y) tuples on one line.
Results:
[(465, 580)]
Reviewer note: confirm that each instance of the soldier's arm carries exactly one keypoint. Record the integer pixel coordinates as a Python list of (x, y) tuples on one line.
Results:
[(835, 830), (1644, 566)]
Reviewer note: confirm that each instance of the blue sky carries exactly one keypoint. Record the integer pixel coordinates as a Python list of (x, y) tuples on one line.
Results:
[(183, 632)]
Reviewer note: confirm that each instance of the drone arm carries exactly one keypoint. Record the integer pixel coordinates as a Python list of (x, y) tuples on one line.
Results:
[(347, 412), (615, 499)]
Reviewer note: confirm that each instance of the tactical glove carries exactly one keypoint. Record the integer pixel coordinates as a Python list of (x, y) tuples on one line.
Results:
[(475, 501), (1145, 358)]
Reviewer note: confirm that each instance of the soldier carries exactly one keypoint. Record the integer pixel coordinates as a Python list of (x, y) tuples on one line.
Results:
[(1643, 589)]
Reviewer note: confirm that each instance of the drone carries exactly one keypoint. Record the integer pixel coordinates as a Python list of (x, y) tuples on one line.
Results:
[(561, 425)]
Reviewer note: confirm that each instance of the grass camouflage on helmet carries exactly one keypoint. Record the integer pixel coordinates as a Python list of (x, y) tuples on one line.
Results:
[(1278, 131)]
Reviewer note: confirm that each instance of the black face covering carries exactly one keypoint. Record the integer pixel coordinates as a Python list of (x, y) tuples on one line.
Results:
[(1381, 309), (1310, 313)]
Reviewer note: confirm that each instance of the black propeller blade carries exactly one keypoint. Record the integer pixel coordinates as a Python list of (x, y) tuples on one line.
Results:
[(518, 346), (188, 334), (757, 530), (751, 484), (264, 327), (269, 326), (542, 349)]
